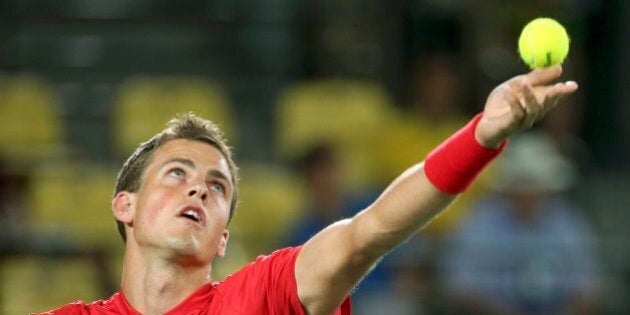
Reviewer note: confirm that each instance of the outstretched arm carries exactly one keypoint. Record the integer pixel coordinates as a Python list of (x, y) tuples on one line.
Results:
[(335, 260)]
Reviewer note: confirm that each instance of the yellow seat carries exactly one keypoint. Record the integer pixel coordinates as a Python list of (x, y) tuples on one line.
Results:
[(30, 128), (35, 284), (269, 201), (145, 104), (74, 198), (407, 138), (69, 217), (345, 113)]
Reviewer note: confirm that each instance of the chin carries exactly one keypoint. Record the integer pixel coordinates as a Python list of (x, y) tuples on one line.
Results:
[(188, 249), (183, 246)]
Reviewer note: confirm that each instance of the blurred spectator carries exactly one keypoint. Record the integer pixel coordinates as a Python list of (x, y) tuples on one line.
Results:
[(562, 126), (327, 201), (411, 289), (12, 214), (526, 249)]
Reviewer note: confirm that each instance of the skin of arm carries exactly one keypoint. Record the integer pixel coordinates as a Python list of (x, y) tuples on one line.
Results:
[(337, 258)]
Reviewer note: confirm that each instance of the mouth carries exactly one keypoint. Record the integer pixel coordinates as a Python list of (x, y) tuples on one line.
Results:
[(193, 213)]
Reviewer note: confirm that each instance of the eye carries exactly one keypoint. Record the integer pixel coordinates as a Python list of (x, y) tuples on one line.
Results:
[(177, 173), (217, 186)]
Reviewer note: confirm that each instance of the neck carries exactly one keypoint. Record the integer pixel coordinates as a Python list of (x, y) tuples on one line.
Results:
[(154, 284)]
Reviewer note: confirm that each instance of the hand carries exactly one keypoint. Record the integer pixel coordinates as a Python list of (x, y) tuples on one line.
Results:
[(518, 103)]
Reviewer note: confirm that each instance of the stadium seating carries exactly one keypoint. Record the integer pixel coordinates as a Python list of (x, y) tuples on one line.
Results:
[(345, 113), (30, 128), (73, 197), (268, 202), (145, 104)]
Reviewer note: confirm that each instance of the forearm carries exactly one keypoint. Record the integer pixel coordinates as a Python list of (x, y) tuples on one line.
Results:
[(408, 204), (424, 190)]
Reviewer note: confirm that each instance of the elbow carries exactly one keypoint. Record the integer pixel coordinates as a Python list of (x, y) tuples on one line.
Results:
[(370, 238)]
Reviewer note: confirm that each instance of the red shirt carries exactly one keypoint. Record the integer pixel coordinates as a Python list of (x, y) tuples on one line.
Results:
[(265, 286)]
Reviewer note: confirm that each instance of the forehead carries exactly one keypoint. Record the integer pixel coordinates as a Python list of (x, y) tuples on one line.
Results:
[(204, 155)]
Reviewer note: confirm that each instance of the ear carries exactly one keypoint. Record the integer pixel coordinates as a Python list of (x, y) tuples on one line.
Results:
[(123, 206), (223, 243)]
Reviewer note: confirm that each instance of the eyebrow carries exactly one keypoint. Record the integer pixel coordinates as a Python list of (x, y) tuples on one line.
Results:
[(219, 174), (187, 162), (190, 163)]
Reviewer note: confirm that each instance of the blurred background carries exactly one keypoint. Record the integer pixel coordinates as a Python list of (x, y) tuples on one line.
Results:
[(325, 102)]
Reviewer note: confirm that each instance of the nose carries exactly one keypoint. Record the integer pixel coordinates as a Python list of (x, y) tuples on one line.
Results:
[(200, 192)]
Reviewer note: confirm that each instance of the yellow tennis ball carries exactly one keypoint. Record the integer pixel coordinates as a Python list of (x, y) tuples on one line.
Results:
[(543, 43)]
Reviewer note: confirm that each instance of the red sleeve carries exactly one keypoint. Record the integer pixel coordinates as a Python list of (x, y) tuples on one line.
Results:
[(76, 308), (268, 286), (116, 304)]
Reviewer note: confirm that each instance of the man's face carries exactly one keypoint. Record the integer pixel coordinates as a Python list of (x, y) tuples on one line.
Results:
[(183, 204)]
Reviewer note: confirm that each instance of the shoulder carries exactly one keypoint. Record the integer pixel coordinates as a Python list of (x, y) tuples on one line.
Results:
[(81, 307), (74, 308), (78, 307), (287, 254), (265, 286), (264, 267)]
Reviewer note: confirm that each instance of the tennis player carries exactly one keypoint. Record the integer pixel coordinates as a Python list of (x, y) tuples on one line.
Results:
[(177, 192)]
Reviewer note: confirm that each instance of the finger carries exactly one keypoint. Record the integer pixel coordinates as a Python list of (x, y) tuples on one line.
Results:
[(544, 75), (522, 89), (516, 84), (570, 87), (515, 106), (559, 89), (532, 106), (556, 93)]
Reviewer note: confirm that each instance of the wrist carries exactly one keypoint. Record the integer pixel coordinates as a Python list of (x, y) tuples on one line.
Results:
[(493, 143), (489, 142), (454, 164)]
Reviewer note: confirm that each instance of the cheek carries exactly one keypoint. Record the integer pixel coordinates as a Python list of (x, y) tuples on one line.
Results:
[(156, 204), (221, 212)]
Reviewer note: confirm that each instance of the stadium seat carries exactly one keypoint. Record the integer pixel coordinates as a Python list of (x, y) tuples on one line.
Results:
[(30, 128), (269, 200), (74, 198), (145, 104), (70, 242), (345, 113)]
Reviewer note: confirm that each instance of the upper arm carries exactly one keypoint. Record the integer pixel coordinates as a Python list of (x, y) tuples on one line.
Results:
[(326, 268)]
